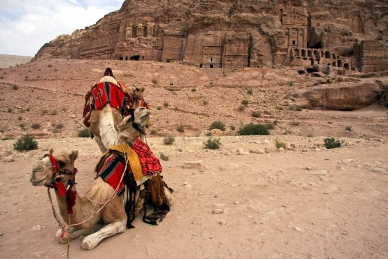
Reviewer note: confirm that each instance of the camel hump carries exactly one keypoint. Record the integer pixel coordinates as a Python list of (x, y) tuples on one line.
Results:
[(108, 72)]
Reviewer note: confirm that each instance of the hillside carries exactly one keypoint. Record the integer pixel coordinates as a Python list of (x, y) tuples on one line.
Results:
[(247, 199)]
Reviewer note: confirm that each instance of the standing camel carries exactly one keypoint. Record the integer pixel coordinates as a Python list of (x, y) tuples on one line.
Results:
[(106, 104)]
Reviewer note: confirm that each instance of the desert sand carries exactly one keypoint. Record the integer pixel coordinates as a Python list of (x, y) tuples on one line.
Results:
[(247, 199)]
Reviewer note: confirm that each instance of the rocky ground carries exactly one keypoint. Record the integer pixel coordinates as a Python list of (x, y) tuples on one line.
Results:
[(303, 201)]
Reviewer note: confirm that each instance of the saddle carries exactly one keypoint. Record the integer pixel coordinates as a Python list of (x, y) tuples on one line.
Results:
[(122, 166)]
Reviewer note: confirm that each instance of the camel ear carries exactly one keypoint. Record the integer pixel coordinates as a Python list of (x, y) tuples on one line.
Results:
[(51, 151), (74, 155)]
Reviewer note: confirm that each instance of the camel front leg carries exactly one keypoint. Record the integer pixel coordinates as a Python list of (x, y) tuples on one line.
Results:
[(76, 233), (92, 240)]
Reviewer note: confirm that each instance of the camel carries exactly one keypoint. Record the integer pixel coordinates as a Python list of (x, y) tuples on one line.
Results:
[(100, 213), (103, 115)]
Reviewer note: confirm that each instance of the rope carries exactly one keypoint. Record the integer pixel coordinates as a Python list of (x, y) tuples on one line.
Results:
[(53, 208), (110, 198)]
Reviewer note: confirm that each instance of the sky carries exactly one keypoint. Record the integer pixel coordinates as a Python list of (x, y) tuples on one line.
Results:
[(26, 25)]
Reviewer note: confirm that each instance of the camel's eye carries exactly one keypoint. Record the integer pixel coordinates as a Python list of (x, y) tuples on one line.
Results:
[(61, 164)]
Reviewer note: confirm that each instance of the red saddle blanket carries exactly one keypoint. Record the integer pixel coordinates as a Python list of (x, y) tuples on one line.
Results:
[(112, 166), (103, 93)]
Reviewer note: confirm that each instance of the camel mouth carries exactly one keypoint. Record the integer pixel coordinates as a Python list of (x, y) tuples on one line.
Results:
[(38, 182), (144, 117)]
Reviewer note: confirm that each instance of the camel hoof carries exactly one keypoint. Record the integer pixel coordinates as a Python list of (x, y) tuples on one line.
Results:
[(88, 244), (58, 237)]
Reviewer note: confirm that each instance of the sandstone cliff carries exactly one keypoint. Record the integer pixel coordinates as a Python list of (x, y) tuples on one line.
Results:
[(348, 34)]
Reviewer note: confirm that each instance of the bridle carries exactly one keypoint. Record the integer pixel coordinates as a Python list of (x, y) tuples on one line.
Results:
[(57, 184), (58, 172)]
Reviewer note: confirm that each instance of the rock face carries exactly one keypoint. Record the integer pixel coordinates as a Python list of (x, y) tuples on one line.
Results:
[(346, 34), (344, 96)]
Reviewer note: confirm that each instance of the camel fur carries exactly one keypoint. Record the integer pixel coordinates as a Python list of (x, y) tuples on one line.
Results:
[(89, 211)]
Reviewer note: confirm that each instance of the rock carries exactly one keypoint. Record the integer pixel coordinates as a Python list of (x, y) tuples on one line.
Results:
[(193, 165), (8, 159), (218, 211), (241, 151), (164, 157)]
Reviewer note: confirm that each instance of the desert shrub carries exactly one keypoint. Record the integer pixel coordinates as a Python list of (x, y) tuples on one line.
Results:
[(241, 108), (193, 89), (212, 143), (253, 129), (244, 102), (14, 87), (165, 104), (84, 133), (154, 81), (295, 123), (54, 112), (181, 128), (169, 140), (291, 83), (255, 114), (153, 131), (20, 118), (279, 108), (25, 143), (44, 112), (331, 143), (59, 126), (298, 109), (204, 102), (280, 144), (159, 108), (217, 125), (21, 125), (232, 127), (348, 128), (35, 126), (250, 91), (9, 110), (7, 138)]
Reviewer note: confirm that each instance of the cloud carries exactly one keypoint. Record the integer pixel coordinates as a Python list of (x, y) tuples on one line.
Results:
[(26, 25)]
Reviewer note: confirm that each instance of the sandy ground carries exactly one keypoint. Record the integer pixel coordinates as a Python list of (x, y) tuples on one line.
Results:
[(302, 202)]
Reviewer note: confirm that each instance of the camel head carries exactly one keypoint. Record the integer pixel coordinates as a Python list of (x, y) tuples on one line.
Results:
[(133, 125), (137, 92), (51, 169)]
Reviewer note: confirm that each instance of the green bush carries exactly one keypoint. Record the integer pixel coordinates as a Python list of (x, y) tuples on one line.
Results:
[(280, 144), (169, 140), (25, 143), (255, 114), (348, 128), (35, 126), (253, 129), (244, 102), (212, 143), (331, 143), (181, 128), (217, 125), (241, 108), (15, 87), (249, 91), (84, 133)]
